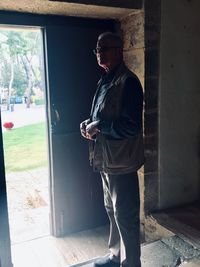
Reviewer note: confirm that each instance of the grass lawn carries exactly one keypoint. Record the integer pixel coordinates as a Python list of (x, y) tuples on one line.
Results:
[(25, 148)]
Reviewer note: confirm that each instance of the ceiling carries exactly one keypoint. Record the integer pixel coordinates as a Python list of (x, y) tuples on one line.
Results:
[(82, 8)]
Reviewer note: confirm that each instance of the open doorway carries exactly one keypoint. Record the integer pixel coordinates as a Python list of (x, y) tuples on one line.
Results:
[(24, 127), (75, 190)]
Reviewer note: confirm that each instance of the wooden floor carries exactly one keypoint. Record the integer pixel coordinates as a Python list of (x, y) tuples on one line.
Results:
[(61, 252)]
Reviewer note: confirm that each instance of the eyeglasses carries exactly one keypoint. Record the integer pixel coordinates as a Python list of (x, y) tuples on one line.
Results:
[(103, 49)]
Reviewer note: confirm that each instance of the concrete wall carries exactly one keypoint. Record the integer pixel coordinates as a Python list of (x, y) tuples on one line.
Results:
[(179, 102), (104, 9), (132, 28)]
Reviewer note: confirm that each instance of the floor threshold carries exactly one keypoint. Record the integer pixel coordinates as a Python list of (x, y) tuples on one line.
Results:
[(29, 240), (182, 221), (85, 263), (74, 250)]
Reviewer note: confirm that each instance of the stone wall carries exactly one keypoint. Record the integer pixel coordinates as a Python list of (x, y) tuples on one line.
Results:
[(151, 117), (132, 29), (152, 42), (141, 34)]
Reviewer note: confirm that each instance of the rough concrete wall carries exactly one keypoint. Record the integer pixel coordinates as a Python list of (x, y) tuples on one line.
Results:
[(136, 4), (132, 28), (80, 8), (179, 103)]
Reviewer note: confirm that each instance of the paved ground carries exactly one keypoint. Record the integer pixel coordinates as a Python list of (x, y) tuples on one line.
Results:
[(28, 204), (22, 116), (27, 191)]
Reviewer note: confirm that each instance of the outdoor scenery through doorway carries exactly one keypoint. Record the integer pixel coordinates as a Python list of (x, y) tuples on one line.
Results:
[(24, 128)]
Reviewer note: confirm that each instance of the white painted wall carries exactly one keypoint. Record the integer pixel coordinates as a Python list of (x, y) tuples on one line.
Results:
[(179, 100)]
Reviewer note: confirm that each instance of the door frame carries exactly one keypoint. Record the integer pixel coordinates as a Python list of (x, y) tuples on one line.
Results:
[(23, 20), (5, 244), (49, 142)]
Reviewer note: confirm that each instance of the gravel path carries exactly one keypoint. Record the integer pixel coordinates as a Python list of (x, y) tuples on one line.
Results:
[(28, 204)]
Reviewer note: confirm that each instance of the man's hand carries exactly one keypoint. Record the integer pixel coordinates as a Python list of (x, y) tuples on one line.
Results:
[(91, 129), (83, 128)]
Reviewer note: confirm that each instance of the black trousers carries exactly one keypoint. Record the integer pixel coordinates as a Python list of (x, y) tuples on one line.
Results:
[(122, 203)]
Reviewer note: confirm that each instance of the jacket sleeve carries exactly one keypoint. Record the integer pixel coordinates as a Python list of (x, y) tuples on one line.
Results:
[(130, 121)]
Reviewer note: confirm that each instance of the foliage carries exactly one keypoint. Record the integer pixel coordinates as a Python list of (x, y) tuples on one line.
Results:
[(25, 148), (39, 101), (21, 61), (20, 81)]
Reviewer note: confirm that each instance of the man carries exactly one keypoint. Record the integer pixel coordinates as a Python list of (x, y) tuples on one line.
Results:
[(116, 149)]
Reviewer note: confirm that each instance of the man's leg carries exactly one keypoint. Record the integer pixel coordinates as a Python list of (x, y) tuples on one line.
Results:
[(114, 238), (124, 192)]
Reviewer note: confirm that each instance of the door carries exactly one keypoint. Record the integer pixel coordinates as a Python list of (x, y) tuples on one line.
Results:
[(76, 191), (5, 251)]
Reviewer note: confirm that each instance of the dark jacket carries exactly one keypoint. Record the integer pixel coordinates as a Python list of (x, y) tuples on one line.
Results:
[(113, 151)]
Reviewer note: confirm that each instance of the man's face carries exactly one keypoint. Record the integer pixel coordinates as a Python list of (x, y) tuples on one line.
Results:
[(108, 54)]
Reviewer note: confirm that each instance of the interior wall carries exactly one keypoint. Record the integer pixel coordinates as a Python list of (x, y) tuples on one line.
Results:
[(132, 28), (179, 100)]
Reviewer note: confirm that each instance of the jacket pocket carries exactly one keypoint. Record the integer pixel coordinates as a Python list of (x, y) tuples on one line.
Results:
[(119, 153)]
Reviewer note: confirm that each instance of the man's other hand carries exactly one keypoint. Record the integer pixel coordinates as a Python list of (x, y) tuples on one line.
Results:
[(91, 129), (83, 128)]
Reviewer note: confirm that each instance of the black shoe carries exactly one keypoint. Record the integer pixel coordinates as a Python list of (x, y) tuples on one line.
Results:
[(106, 262)]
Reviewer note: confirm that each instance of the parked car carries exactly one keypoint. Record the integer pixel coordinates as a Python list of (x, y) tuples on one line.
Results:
[(18, 100)]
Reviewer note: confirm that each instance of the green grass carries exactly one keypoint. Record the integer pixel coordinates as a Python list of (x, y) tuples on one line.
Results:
[(25, 148)]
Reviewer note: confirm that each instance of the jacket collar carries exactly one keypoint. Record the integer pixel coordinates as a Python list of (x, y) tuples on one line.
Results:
[(118, 72), (115, 74)]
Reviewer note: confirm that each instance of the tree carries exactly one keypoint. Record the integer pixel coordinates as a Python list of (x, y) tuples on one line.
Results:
[(21, 68), (8, 56), (29, 51)]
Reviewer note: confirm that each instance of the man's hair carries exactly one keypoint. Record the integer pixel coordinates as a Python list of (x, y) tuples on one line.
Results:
[(113, 37)]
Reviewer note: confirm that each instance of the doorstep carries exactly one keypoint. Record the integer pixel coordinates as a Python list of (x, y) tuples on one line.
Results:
[(181, 221), (155, 254), (192, 263)]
